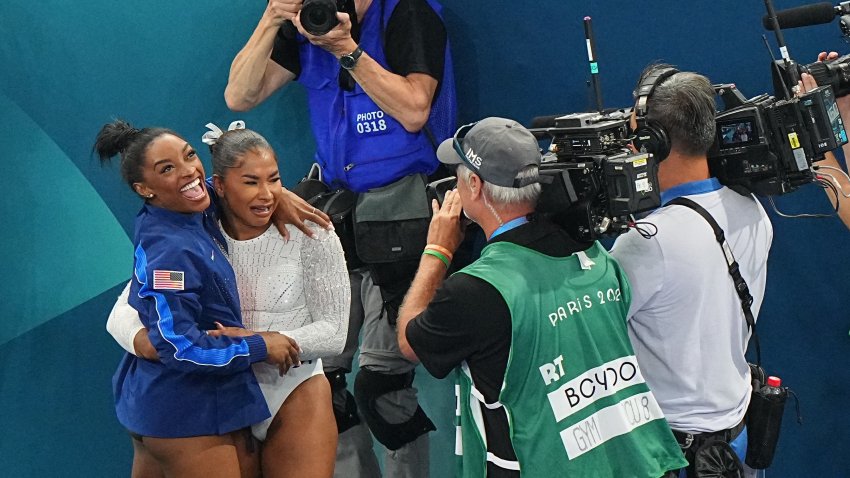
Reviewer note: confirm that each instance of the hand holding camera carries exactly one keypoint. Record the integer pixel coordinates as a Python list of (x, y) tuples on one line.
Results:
[(325, 23), (446, 229), (843, 101), (318, 17), (280, 11), (336, 40)]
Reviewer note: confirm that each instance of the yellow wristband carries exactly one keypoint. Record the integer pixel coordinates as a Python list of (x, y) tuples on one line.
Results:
[(438, 255)]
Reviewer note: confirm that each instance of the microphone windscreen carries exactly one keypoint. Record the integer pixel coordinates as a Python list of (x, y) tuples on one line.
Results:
[(544, 121), (814, 14)]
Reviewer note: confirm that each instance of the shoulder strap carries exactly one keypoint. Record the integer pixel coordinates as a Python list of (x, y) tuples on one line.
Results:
[(734, 269)]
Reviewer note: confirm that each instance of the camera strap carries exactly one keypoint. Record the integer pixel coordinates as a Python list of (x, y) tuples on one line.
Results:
[(741, 287)]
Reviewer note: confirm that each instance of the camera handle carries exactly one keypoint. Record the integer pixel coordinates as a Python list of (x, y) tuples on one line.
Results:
[(790, 65)]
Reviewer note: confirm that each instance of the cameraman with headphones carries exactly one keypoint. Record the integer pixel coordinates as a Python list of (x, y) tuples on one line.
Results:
[(686, 321), (380, 90)]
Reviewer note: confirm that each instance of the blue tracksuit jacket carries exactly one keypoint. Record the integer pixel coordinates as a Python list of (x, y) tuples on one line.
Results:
[(182, 284)]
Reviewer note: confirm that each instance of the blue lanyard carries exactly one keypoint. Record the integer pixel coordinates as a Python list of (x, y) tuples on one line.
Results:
[(508, 226)]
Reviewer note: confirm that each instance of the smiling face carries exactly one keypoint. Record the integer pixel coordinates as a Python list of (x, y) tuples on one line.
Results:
[(249, 192), (173, 176)]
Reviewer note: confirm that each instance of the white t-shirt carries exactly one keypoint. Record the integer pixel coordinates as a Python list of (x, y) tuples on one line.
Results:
[(685, 320)]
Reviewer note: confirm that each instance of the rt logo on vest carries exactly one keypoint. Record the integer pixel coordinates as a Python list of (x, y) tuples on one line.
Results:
[(473, 158)]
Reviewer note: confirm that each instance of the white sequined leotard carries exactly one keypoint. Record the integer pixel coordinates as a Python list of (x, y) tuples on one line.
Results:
[(298, 287)]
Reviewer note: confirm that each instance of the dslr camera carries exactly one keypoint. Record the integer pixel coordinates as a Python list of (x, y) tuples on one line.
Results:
[(766, 145), (596, 183), (319, 16)]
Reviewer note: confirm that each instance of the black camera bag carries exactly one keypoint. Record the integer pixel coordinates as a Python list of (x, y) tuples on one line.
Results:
[(391, 222), (338, 204), (390, 230)]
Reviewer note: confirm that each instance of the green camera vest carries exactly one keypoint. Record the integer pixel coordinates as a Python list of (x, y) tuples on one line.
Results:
[(576, 401)]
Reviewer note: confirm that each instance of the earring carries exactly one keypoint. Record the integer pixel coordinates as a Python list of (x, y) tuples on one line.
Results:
[(149, 196)]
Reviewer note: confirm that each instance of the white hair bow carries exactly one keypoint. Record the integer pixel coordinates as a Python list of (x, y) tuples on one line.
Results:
[(211, 136)]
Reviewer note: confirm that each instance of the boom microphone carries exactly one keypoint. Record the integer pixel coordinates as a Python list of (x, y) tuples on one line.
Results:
[(544, 121), (815, 14)]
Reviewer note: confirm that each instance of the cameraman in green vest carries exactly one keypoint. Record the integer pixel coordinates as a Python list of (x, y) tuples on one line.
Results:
[(535, 329)]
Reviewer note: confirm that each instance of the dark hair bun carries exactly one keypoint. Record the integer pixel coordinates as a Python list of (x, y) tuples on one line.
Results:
[(114, 138)]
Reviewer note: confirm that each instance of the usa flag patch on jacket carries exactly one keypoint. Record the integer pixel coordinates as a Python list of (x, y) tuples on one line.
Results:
[(168, 280)]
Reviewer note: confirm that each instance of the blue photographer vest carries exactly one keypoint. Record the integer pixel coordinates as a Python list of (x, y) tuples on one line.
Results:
[(358, 145)]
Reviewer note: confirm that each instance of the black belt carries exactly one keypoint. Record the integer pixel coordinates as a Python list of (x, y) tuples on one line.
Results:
[(686, 440)]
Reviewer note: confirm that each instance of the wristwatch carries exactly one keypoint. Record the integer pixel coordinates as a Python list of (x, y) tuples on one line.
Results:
[(349, 61)]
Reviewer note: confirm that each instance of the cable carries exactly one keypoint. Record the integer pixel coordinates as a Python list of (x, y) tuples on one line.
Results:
[(824, 184), (826, 177), (643, 230), (833, 178), (832, 183), (794, 216), (824, 166), (817, 167)]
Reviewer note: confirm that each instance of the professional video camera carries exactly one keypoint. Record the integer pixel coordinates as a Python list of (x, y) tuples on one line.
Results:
[(592, 181), (835, 73), (597, 181), (766, 145)]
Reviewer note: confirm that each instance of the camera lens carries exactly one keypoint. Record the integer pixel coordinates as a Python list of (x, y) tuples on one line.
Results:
[(318, 16), (835, 73)]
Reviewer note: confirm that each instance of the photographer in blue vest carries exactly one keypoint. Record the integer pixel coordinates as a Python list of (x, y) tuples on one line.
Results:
[(381, 96), (535, 329)]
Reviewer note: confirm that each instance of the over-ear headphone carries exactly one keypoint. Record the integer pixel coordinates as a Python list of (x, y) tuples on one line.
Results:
[(649, 136)]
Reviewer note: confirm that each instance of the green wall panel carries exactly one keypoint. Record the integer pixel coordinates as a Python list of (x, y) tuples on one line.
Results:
[(62, 245)]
